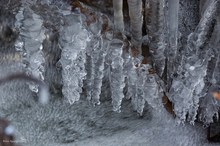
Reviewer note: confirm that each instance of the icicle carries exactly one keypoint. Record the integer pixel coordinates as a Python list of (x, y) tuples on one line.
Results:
[(117, 76), (99, 72), (91, 58), (128, 68), (73, 56), (135, 78), (96, 54), (172, 22), (32, 33), (136, 22), (107, 37), (173, 9), (89, 77), (152, 91), (118, 15), (132, 86), (142, 77), (185, 90), (155, 17), (93, 66), (97, 66)]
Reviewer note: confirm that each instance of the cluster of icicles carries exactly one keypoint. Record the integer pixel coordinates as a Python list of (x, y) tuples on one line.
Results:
[(100, 60), (90, 58), (92, 55)]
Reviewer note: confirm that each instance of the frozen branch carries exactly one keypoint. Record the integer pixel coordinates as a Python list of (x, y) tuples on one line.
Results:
[(44, 91)]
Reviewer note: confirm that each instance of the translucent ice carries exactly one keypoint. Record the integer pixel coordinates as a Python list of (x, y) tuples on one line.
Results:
[(30, 43), (73, 56)]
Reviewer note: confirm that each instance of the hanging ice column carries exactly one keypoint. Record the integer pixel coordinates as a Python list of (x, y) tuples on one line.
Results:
[(32, 36), (136, 22), (118, 15), (117, 75), (172, 22), (155, 18), (136, 82), (173, 9), (73, 44), (135, 79), (143, 87), (152, 89), (96, 52)]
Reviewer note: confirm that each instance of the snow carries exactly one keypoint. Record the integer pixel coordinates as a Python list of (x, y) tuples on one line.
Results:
[(99, 126)]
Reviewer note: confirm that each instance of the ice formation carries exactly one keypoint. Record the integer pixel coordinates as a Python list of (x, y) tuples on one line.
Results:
[(136, 22), (85, 51), (32, 36), (73, 44), (155, 22), (116, 76), (96, 52), (118, 15)]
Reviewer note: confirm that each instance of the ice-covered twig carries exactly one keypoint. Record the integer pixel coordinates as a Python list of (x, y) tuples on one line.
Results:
[(44, 90)]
